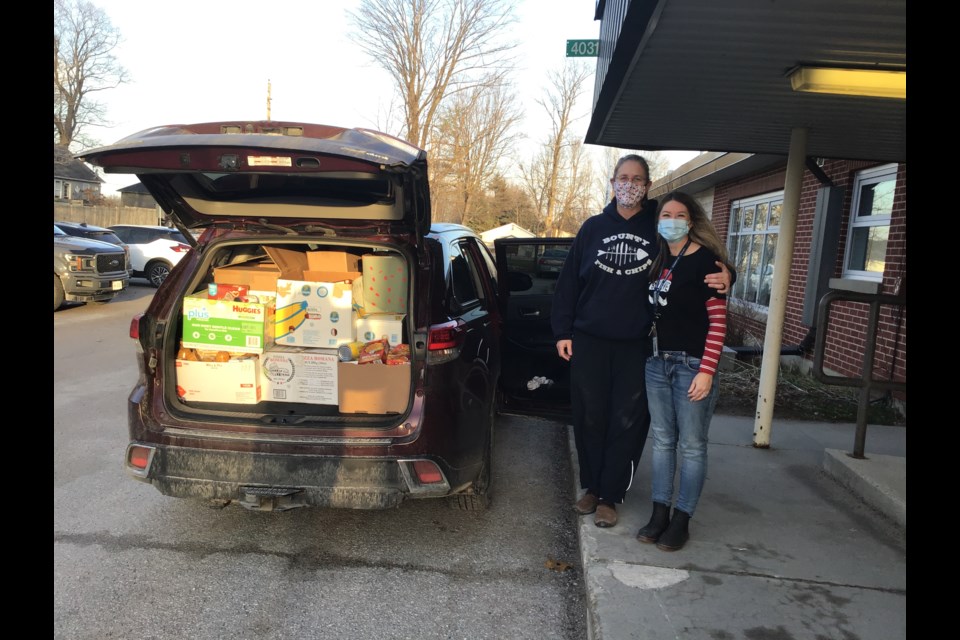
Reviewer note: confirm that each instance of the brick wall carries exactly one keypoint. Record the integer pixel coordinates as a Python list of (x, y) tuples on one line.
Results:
[(845, 338)]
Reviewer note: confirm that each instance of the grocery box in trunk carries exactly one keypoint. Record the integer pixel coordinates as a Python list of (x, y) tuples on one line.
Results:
[(231, 325), (380, 325), (259, 278), (373, 388), (314, 314), (384, 283), (299, 374), (236, 381), (314, 307)]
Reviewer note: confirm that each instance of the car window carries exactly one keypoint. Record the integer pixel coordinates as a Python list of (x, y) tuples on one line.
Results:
[(93, 234), (109, 237), (532, 269), (124, 234), (491, 263), (463, 277)]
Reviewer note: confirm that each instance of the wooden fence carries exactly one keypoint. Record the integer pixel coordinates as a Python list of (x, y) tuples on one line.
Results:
[(106, 216)]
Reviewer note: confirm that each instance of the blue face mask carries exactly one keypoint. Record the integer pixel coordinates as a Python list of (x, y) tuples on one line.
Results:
[(672, 229)]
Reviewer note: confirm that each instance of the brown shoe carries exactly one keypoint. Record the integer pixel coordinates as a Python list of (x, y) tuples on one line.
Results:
[(606, 515), (587, 504)]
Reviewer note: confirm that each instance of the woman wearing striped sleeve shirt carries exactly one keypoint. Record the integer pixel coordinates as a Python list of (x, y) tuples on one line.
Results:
[(688, 332)]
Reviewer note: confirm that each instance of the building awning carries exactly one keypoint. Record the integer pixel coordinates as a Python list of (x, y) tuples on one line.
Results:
[(702, 75)]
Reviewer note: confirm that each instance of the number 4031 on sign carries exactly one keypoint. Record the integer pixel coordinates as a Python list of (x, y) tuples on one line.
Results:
[(583, 48)]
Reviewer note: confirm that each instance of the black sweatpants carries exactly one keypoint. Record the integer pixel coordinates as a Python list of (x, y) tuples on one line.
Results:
[(610, 415)]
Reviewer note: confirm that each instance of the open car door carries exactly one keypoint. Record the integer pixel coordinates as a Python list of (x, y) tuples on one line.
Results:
[(534, 380)]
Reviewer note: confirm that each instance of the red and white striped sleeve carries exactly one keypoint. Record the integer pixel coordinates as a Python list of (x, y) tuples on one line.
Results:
[(716, 332)]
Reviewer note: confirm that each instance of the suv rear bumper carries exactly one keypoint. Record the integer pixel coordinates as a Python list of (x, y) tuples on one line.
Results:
[(267, 482)]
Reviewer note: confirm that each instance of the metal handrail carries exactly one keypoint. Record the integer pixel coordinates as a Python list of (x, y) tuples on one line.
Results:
[(866, 381)]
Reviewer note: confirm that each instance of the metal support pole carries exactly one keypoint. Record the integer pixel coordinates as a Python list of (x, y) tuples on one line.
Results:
[(776, 312), (860, 437)]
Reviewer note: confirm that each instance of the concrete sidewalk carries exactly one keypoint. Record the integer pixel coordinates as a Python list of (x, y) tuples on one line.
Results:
[(795, 541)]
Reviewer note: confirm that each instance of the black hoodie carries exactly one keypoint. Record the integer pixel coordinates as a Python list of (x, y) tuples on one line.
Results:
[(602, 288)]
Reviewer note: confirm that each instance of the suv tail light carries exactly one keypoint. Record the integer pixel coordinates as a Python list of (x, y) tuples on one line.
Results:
[(135, 334), (139, 459), (427, 472), (135, 326), (180, 248), (444, 341)]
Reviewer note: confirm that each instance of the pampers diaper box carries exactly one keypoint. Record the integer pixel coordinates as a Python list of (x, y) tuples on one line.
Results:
[(380, 325), (314, 314), (314, 307)]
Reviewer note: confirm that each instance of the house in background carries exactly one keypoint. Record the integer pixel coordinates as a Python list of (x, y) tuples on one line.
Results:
[(136, 195), (510, 230), (72, 179)]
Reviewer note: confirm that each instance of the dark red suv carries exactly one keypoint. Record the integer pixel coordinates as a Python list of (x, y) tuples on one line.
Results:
[(324, 344)]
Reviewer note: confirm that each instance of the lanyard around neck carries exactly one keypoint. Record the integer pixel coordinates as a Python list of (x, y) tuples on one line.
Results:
[(666, 276)]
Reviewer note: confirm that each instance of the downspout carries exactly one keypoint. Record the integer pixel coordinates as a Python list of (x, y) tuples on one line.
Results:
[(773, 338)]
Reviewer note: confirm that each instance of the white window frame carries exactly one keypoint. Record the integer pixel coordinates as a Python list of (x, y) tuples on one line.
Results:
[(735, 234), (874, 175)]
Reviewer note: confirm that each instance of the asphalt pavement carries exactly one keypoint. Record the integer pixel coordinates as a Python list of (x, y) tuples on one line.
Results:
[(797, 540)]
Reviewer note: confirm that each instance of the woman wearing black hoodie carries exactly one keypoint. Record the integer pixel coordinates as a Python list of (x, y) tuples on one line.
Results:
[(600, 305)]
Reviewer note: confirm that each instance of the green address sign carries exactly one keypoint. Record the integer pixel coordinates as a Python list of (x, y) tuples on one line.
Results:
[(583, 48)]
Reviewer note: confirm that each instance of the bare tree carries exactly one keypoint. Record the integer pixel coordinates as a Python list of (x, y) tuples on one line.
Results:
[(577, 199), (83, 65), (474, 131), (552, 173), (432, 49)]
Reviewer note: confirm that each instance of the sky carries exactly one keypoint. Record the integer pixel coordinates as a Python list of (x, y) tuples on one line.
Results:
[(210, 60)]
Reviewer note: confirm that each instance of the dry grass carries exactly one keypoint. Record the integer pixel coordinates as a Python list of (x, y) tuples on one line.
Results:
[(799, 396)]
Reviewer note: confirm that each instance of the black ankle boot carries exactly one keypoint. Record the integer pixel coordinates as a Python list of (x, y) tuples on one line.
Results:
[(676, 534), (658, 522)]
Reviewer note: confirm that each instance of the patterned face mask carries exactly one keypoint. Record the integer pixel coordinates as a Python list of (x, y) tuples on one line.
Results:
[(629, 194)]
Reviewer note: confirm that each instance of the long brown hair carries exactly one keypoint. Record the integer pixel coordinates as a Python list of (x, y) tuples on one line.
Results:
[(701, 232)]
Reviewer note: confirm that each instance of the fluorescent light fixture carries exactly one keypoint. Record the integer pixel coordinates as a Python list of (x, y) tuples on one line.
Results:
[(850, 82)]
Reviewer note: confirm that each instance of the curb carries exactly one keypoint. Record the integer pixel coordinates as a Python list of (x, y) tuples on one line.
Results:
[(880, 480)]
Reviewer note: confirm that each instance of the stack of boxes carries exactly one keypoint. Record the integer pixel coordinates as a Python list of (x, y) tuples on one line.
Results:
[(271, 332)]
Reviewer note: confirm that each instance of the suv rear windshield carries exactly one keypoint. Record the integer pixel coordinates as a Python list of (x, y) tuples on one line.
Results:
[(105, 236), (146, 235), (94, 234)]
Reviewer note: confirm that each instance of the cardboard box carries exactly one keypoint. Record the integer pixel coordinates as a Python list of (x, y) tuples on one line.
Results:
[(384, 283), (244, 327), (255, 276), (373, 388), (299, 374), (380, 325), (291, 264), (234, 382), (332, 261), (315, 266), (358, 298), (331, 276), (314, 314)]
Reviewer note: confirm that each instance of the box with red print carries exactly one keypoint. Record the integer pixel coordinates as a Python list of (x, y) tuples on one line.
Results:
[(384, 284)]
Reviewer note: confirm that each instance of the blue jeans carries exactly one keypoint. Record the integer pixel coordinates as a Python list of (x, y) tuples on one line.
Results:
[(679, 427)]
